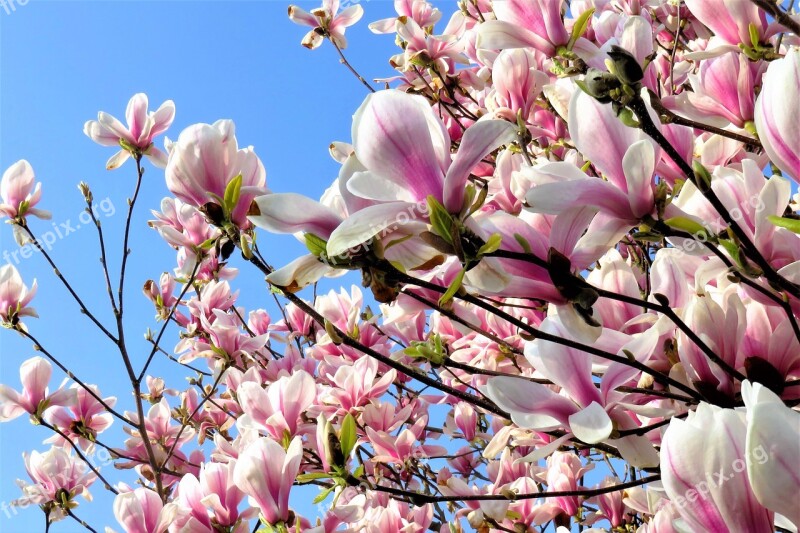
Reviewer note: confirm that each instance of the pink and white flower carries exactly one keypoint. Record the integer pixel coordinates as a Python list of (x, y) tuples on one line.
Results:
[(137, 138)]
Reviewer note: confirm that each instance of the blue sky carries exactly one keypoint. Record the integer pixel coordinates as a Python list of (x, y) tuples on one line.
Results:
[(63, 61)]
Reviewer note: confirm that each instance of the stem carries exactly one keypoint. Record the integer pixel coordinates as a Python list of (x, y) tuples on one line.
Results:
[(103, 256), (123, 350), (157, 341), (640, 109), (585, 493), (66, 284), (346, 63), (657, 376), (81, 522), (779, 14), (668, 117)]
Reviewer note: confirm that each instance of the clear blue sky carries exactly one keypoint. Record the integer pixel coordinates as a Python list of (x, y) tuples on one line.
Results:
[(63, 61)]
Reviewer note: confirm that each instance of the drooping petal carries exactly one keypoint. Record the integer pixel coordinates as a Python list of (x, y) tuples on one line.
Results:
[(361, 226), (291, 213)]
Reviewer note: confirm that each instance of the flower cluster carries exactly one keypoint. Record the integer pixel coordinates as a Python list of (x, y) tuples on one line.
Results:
[(576, 225)]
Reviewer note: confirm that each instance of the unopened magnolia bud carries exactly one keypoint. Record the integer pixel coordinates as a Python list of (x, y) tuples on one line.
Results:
[(625, 66), (599, 84), (86, 192)]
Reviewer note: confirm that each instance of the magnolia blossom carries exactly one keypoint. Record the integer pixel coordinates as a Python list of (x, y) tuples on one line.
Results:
[(730, 20), (20, 193), (326, 21), (266, 472), (776, 112), (215, 490), (14, 296), (728, 470), (83, 420), (58, 476), (142, 511), (771, 446), (137, 138), (35, 398), (205, 159)]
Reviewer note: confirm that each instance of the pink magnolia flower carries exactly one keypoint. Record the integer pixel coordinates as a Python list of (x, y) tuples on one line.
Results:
[(703, 460), (516, 84), (142, 511), (357, 384), (14, 296), (137, 138), (278, 409), (205, 159), (35, 397), (163, 435), (420, 11), (20, 193), (466, 420), (405, 149), (56, 475), (625, 156), (729, 19), (564, 470), (773, 431), (536, 24), (777, 111), (724, 88), (406, 444), (326, 22), (722, 326), (213, 499), (83, 421), (266, 472)]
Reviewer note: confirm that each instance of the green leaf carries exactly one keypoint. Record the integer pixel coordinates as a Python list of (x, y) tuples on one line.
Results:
[(753, 30), (732, 250), (479, 201), (232, 192), (441, 220), (583, 87), (323, 495), (348, 435), (523, 242), (492, 245), (302, 478), (316, 245), (792, 224), (579, 27), (453, 289), (702, 176), (689, 226)]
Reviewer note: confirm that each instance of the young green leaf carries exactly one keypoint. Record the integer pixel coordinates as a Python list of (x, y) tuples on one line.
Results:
[(232, 193), (689, 226), (316, 245), (348, 435), (453, 289), (792, 224), (579, 27), (492, 245), (441, 220)]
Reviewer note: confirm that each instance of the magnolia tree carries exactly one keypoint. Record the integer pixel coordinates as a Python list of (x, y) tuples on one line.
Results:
[(577, 227)]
